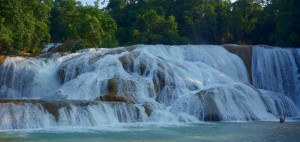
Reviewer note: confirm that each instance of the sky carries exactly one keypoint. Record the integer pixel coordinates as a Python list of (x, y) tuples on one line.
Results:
[(91, 2)]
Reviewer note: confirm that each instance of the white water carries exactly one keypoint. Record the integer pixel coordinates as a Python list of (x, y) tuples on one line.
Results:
[(277, 70), (30, 115), (165, 84), (51, 45)]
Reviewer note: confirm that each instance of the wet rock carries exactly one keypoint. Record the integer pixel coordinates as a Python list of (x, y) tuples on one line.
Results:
[(282, 119), (62, 75), (148, 109), (52, 107), (245, 53), (2, 59), (125, 94), (112, 52), (112, 85), (111, 98), (128, 61), (53, 54), (211, 111), (65, 47), (224, 103), (72, 68)]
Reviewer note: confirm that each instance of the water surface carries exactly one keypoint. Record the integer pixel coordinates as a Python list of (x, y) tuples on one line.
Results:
[(212, 132)]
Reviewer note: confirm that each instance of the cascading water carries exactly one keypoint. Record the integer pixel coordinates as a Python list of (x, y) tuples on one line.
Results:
[(28, 78), (28, 114), (277, 70), (143, 83)]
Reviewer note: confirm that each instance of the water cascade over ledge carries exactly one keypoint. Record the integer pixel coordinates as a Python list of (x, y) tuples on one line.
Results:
[(148, 83)]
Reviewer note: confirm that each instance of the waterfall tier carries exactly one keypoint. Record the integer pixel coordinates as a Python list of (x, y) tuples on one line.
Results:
[(144, 83), (277, 70)]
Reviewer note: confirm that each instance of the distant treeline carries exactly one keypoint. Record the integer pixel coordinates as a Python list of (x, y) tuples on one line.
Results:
[(25, 26)]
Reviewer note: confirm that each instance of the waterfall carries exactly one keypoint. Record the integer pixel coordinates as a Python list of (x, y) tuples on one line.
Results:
[(137, 84), (28, 114), (27, 78), (277, 70)]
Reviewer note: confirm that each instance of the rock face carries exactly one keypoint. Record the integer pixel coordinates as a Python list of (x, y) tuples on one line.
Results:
[(62, 47), (245, 53), (2, 59)]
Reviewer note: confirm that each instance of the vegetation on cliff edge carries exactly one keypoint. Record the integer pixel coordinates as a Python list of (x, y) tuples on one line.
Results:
[(26, 27)]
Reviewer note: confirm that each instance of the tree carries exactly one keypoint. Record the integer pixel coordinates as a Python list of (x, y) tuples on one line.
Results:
[(287, 32), (5, 37), (149, 28), (145, 22), (24, 25), (86, 25), (62, 15), (116, 5), (223, 11), (197, 20), (244, 20), (97, 29), (265, 26)]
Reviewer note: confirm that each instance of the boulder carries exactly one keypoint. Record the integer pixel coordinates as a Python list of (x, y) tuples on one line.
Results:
[(211, 111), (282, 120), (148, 109), (112, 94)]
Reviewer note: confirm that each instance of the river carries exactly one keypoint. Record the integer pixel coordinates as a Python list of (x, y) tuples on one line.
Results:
[(210, 132)]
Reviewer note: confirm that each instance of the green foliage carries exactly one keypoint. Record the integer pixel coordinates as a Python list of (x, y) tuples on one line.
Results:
[(27, 26), (62, 16), (197, 20), (223, 10), (287, 31), (244, 20), (5, 37), (145, 22), (23, 25), (87, 24), (272, 22)]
